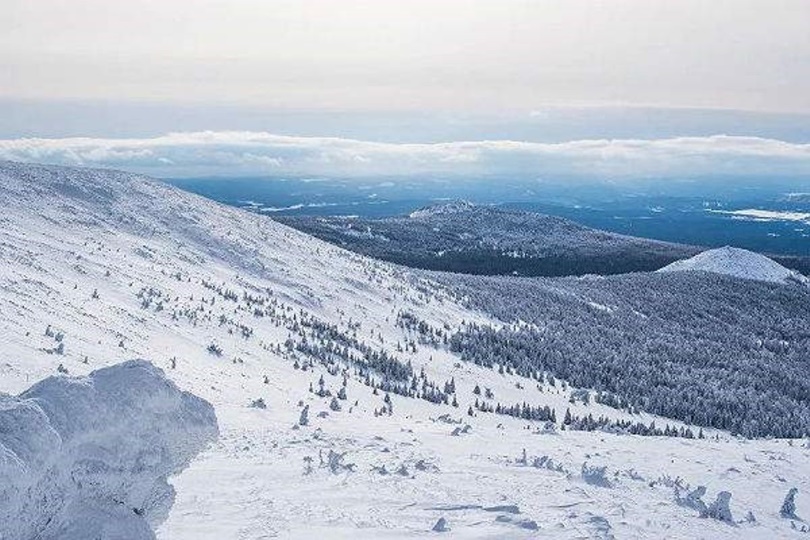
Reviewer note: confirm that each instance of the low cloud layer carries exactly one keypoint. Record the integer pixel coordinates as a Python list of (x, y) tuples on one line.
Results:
[(228, 153)]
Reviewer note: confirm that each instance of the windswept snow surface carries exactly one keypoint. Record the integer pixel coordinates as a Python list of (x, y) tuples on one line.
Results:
[(739, 263), (228, 303), (89, 457)]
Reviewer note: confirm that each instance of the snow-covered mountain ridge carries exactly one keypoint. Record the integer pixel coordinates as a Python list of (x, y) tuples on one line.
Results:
[(739, 263), (467, 238), (100, 267)]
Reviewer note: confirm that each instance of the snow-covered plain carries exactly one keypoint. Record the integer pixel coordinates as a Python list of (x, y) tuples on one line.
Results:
[(122, 267), (768, 215)]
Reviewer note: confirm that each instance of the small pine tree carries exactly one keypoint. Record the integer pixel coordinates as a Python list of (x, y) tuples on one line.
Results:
[(788, 510), (303, 420)]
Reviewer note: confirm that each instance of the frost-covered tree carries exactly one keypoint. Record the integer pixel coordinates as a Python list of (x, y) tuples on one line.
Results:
[(788, 509), (303, 419), (720, 509), (693, 500), (692, 359)]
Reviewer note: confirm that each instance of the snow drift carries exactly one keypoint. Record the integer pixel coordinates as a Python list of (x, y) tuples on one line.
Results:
[(89, 457), (739, 263)]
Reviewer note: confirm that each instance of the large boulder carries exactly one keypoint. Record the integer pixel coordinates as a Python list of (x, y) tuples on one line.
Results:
[(89, 457)]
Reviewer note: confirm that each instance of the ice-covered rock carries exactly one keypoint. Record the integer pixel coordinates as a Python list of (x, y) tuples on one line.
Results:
[(89, 457), (441, 525)]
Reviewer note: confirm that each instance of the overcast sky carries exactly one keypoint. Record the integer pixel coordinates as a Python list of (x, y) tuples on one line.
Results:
[(614, 88), (411, 54)]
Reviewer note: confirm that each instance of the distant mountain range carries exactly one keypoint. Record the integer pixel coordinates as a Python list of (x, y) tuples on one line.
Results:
[(489, 240)]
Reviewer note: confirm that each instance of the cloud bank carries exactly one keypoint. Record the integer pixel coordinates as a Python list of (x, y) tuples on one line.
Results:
[(237, 153)]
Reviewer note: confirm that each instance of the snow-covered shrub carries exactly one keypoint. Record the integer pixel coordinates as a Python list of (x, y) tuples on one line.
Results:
[(545, 462), (335, 463), (719, 509), (258, 404), (595, 475), (693, 500), (424, 466)]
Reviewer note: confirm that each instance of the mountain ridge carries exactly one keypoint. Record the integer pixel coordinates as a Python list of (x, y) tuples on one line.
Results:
[(491, 240), (272, 327)]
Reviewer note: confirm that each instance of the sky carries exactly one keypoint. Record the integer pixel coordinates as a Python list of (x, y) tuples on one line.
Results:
[(148, 76), (412, 54)]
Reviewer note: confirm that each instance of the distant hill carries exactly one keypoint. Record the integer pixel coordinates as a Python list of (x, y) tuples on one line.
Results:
[(739, 263), (462, 237), (488, 240)]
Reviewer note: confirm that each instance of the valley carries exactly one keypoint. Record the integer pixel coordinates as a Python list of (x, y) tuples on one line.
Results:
[(337, 379)]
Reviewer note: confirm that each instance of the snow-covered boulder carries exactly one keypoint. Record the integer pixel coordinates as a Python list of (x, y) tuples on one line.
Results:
[(89, 457), (739, 263)]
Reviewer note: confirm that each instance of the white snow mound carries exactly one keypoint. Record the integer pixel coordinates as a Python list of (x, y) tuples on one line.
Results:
[(89, 457), (739, 263)]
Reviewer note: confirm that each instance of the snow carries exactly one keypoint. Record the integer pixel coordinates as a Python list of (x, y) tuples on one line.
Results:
[(149, 250), (766, 215), (739, 263), (89, 457), (452, 207)]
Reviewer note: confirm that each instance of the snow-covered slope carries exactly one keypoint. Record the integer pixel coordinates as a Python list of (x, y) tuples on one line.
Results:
[(89, 457), (739, 263), (99, 267)]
